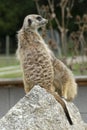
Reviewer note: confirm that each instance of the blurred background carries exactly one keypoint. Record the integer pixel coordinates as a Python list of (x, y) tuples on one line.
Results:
[(65, 34)]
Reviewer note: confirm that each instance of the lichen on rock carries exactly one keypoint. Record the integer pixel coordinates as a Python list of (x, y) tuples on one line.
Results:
[(38, 110)]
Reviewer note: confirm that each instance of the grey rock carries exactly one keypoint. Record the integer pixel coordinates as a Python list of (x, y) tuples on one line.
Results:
[(39, 110)]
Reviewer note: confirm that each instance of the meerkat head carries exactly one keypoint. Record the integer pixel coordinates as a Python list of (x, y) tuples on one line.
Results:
[(33, 22)]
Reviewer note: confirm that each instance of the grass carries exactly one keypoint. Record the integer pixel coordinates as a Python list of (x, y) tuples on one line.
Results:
[(17, 75), (9, 64), (8, 61), (9, 68), (6, 70), (80, 69)]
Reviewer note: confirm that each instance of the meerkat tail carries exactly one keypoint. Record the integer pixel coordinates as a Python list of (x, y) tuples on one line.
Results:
[(64, 107), (63, 104)]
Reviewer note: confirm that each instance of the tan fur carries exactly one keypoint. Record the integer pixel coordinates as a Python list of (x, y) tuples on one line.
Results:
[(64, 81), (40, 66), (35, 62)]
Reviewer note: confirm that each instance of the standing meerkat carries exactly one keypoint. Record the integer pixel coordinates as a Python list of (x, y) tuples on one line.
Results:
[(40, 66)]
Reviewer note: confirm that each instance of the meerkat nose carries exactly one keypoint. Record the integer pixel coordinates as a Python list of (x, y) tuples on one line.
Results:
[(45, 21)]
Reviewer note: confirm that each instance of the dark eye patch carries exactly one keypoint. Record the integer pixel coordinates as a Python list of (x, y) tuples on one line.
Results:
[(29, 21), (39, 18)]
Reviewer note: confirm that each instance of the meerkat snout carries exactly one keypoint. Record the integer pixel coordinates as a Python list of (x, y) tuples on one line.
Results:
[(44, 22)]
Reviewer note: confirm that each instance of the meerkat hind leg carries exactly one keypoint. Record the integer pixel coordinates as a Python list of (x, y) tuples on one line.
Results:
[(26, 90), (27, 87), (64, 92)]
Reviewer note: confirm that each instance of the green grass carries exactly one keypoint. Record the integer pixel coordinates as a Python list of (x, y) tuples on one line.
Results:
[(78, 69), (7, 68), (8, 61), (17, 75)]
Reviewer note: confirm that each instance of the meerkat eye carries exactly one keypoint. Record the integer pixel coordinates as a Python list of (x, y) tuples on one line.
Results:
[(39, 18), (29, 21)]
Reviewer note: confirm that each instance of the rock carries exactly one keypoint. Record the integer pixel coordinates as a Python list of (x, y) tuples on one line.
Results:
[(39, 110)]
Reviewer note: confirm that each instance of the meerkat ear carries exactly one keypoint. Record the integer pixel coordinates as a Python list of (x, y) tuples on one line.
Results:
[(29, 21)]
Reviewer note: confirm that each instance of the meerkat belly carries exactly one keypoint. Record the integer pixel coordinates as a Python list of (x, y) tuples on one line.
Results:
[(37, 67)]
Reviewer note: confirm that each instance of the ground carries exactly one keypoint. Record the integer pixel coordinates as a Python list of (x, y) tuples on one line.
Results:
[(10, 67)]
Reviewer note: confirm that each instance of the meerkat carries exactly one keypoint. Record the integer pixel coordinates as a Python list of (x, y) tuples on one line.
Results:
[(40, 66)]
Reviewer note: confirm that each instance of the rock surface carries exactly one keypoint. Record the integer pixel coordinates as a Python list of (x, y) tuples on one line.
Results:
[(39, 110)]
